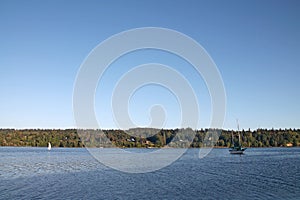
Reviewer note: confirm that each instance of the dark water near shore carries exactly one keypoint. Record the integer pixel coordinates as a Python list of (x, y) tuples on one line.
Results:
[(63, 173)]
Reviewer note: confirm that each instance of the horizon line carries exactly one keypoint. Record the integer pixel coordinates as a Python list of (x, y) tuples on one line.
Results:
[(204, 128)]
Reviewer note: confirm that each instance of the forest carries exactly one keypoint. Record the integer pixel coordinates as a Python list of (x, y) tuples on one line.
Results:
[(150, 138)]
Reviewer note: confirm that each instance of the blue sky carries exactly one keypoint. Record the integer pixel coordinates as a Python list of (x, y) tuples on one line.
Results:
[(255, 45)]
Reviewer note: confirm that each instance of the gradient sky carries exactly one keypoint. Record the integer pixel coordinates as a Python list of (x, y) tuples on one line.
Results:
[(255, 45)]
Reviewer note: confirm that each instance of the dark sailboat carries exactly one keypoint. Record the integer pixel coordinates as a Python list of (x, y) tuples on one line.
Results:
[(237, 148)]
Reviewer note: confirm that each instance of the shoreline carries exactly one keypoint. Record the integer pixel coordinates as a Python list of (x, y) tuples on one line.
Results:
[(147, 137), (142, 147)]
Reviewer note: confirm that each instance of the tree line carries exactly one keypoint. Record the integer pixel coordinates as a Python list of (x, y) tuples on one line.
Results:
[(148, 137)]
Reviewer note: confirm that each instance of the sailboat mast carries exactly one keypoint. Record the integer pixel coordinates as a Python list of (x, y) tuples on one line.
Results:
[(238, 127)]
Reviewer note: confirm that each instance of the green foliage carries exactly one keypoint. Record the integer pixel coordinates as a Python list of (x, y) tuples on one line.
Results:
[(40, 138), (147, 137)]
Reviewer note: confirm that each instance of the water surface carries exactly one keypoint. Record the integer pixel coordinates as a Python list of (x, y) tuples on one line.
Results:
[(72, 173)]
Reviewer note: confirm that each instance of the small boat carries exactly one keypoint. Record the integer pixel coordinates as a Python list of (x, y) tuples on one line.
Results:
[(49, 146), (237, 148)]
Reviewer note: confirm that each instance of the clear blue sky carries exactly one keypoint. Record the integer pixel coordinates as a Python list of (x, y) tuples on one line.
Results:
[(255, 44)]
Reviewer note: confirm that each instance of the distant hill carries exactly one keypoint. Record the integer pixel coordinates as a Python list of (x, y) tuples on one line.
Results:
[(148, 137)]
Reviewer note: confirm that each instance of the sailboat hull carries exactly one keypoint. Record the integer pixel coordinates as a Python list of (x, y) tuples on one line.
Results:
[(237, 150)]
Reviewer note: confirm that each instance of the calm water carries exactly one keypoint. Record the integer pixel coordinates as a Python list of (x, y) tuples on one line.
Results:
[(35, 173)]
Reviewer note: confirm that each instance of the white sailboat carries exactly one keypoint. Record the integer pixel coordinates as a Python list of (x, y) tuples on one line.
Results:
[(49, 146)]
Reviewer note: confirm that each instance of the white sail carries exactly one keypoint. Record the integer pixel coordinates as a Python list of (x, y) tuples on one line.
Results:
[(49, 146)]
